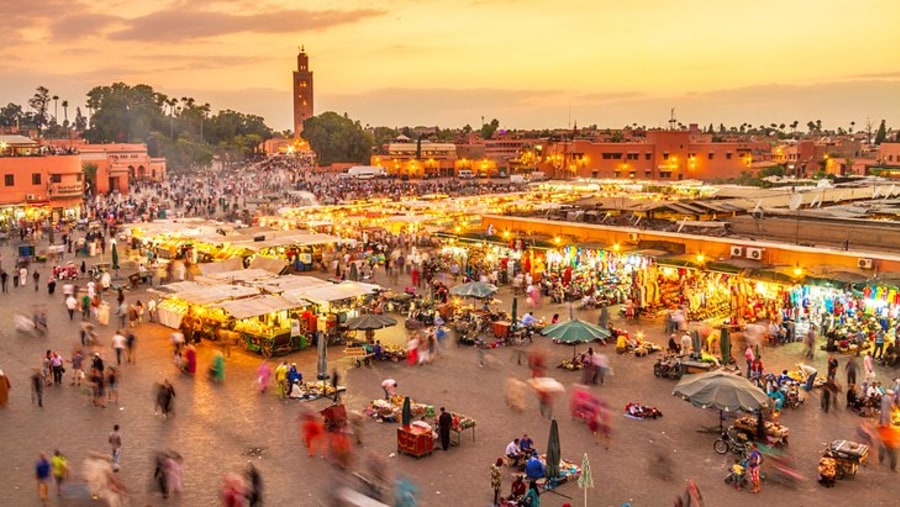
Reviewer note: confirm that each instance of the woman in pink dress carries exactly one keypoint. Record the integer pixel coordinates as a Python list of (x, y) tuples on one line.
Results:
[(263, 373), (190, 360)]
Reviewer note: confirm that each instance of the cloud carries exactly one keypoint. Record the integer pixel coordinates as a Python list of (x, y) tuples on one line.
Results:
[(180, 25), (610, 96), (77, 26), (878, 75)]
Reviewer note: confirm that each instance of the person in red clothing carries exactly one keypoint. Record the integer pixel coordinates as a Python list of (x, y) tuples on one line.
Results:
[(313, 430), (233, 491)]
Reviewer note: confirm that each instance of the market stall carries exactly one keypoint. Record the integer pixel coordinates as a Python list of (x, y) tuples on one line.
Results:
[(264, 323), (177, 306), (334, 305)]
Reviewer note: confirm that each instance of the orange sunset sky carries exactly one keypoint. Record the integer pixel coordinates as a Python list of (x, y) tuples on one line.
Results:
[(450, 62)]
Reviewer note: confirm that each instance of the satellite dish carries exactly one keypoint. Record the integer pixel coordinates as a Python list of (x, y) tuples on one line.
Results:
[(796, 202)]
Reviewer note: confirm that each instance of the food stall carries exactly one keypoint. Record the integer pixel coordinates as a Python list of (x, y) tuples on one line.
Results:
[(264, 323), (334, 304), (173, 309)]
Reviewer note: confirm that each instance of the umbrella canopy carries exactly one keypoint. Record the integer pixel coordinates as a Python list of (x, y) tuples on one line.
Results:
[(604, 317), (573, 332), (371, 321), (478, 290), (115, 257), (586, 479), (553, 451), (406, 413), (322, 359), (725, 346), (513, 323), (723, 391)]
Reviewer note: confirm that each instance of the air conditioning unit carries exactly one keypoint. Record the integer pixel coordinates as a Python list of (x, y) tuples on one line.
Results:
[(30, 197), (865, 263), (737, 251), (634, 237), (755, 253)]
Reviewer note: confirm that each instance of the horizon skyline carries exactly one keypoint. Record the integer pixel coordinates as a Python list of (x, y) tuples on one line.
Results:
[(379, 63)]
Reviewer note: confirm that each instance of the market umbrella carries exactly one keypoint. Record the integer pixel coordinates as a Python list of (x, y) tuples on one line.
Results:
[(371, 321), (724, 391), (725, 345), (604, 317), (573, 332), (322, 359), (478, 290), (553, 453), (406, 413), (586, 480), (115, 258), (513, 323)]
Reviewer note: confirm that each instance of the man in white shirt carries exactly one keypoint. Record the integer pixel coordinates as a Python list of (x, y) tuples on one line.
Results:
[(118, 344), (389, 386), (71, 306), (513, 452)]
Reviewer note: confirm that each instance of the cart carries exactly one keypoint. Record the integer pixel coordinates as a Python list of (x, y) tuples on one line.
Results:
[(359, 354), (847, 456)]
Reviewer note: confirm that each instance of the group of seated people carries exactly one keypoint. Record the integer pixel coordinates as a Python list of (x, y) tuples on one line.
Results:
[(519, 450), (865, 401)]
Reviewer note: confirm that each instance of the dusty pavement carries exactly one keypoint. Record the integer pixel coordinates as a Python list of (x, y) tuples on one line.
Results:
[(218, 428)]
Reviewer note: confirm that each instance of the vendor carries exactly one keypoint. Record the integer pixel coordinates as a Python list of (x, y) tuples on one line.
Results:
[(518, 488), (389, 386), (534, 467), (294, 376), (528, 320), (673, 347), (514, 453), (526, 444)]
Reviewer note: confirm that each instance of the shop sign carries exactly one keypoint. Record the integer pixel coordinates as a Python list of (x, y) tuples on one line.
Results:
[(66, 189)]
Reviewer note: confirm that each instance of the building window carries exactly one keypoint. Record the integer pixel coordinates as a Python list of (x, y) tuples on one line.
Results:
[(633, 156), (665, 156), (78, 177), (728, 156), (665, 174), (35, 178), (55, 178), (711, 156), (9, 180), (648, 156), (612, 156)]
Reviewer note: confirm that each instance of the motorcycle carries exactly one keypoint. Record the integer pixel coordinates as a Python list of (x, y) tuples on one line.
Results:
[(731, 440), (793, 395), (668, 367)]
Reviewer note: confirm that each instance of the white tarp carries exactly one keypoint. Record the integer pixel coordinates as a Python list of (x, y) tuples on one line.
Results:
[(211, 268), (288, 283), (255, 306), (328, 293), (216, 293), (242, 275)]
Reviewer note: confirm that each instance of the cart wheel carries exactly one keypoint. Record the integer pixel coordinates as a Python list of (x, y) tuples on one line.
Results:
[(839, 473), (266, 349), (720, 446), (358, 363)]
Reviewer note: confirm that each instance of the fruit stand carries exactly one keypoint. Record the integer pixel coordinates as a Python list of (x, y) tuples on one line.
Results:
[(265, 324)]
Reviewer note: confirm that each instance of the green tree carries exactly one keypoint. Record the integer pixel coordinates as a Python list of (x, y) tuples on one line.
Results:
[(383, 136), (881, 135), (488, 129), (80, 120), (39, 102), (11, 115), (90, 175), (337, 138)]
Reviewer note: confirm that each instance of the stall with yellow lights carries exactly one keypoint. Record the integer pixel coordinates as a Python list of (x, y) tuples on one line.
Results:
[(333, 305), (264, 324)]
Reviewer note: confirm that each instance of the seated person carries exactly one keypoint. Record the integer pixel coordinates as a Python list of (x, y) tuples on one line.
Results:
[(621, 344), (528, 320), (673, 347), (778, 398), (784, 378), (514, 453), (518, 488), (526, 445), (534, 467), (296, 390)]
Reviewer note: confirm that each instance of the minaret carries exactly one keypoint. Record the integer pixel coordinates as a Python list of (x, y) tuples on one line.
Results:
[(303, 92)]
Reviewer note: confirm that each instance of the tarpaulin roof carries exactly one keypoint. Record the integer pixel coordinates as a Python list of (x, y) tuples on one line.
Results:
[(211, 268), (255, 306), (288, 283), (275, 266), (174, 288), (243, 275), (331, 292), (216, 293)]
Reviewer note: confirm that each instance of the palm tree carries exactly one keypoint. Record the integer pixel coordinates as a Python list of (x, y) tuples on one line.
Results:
[(55, 108), (852, 124), (65, 105)]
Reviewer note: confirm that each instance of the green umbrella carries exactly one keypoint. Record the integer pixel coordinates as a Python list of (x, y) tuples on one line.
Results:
[(586, 480), (478, 290), (725, 345), (371, 321), (573, 332), (553, 453), (115, 257), (722, 391), (515, 308), (406, 414)]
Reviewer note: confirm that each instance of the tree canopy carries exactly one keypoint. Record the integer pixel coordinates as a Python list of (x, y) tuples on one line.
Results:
[(337, 138)]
